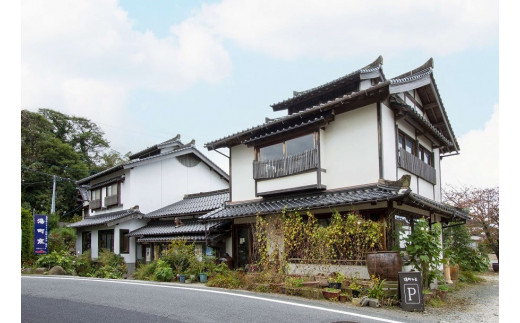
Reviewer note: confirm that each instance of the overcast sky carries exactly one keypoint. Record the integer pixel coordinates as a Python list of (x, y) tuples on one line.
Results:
[(147, 70)]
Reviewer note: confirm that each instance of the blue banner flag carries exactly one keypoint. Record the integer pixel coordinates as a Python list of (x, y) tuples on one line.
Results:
[(40, 234)]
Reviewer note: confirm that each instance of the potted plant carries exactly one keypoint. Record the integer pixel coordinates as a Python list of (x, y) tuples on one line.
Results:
[(343, 297), (331, 293), (355, 287), (335, 280)]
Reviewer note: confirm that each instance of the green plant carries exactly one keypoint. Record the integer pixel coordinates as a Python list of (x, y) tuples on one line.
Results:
[(469, 277), (336, 277), (423, 247), (444, 288), (145, 271), (457, 243), (83, 264), (163, 271), (230, 279), (294, 281), (333, 290), (108, 265), (62, 239), (376, 288), (180, 255), (57, 258)]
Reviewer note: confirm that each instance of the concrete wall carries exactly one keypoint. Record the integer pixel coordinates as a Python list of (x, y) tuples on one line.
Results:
[(314, 269)]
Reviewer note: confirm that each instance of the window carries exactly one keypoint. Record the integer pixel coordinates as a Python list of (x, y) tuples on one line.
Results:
[(425, 155), (407, 143), (96, 194), (287, 148), (106, 239), (124, 241), (85, 241), (403, 228), (112, 189)]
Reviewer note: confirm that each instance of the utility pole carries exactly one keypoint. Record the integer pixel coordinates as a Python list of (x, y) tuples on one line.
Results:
[(53, 206)]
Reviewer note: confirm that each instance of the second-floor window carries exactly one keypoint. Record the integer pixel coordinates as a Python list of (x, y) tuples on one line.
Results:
[(112, 196), (287, 148), (425, 155), (407, 143), (291, 156)]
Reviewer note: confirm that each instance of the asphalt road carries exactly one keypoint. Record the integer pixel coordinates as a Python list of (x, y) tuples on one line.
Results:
[(72, 299)]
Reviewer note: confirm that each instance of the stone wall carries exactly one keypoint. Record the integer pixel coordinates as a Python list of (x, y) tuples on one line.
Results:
[(315, 269)]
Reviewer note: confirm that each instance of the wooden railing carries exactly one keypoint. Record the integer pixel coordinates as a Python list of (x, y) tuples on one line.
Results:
[(111, 200), (416, 166), (95, 204), (290, 165)]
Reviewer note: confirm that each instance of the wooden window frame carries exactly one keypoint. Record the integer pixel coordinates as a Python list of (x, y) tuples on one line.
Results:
[(284, 144), (99, 239), (407, 137), (422, 151)]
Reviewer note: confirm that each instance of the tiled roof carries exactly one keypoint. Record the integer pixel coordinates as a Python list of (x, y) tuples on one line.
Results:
[(193, 204), (189, 238), (372, 67), (185, 148), (332, 199), (170, 228), (437, 206), (301, 124), (325, 199), (241, 136), (105, 218)]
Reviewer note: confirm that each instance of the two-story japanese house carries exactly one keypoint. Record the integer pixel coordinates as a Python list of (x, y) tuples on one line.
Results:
[(118, 198), (360, 143)]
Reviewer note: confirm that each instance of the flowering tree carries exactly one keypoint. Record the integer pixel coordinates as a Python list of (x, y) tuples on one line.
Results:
[(483, 207)]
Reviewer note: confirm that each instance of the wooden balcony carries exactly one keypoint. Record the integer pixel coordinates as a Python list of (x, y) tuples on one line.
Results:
[(111, 200), (290, 165), (95, 204), (416, 166)]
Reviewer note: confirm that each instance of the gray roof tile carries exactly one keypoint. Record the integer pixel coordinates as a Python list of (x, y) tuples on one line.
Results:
[(170, 228), (104, 218), (193, 204)]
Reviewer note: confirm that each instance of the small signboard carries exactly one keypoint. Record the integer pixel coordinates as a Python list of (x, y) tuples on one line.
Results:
[(41, 234), (411, 291)]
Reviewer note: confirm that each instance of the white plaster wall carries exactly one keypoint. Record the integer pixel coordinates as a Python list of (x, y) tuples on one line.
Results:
[(438, 172), (242, 182), (287, 182), (426, 189), (389, 143), (351, 147)]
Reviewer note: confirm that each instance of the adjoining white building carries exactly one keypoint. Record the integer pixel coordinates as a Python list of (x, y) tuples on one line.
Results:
[(360, 143), (117, 198)]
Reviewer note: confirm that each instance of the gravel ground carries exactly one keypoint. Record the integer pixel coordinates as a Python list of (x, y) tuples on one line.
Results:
[(474, 303)]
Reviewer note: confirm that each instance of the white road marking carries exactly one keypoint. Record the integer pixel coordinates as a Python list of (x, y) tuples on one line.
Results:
[(319, 308)]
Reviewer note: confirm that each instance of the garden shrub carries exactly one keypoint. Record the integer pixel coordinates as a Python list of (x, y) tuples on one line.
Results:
[(109, 265), (180, 255), (83, 264), (145, 271), (62, 239), (57, 258), (231, 279), (457, 243), (163, 271)]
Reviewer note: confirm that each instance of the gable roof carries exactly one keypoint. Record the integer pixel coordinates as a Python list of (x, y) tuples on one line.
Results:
[(420, 78), (193, 204), (107, 218), (180, 150), (333, 89)]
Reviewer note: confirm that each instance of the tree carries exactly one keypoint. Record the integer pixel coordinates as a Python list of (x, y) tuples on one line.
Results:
[(483, 207), (68, 147)]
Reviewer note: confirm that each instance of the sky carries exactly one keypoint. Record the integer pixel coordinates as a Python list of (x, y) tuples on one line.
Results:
[(145, 71)]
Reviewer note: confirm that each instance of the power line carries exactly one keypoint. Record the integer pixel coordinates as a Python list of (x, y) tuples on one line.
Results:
[(42, 173)]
